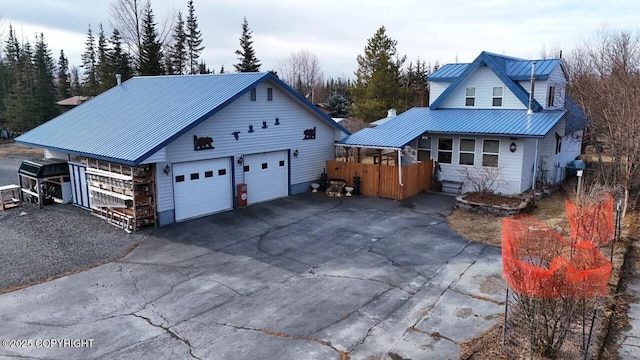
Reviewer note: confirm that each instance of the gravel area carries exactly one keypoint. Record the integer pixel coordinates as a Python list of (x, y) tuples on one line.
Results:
[(54, 240)]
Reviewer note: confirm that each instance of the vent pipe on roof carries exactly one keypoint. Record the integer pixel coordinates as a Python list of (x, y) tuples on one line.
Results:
[(118, 79), (533, 81), (391, 113)]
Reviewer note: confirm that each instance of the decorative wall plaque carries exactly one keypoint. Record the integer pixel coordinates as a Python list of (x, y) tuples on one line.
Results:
[(202, 143), (309, 134)]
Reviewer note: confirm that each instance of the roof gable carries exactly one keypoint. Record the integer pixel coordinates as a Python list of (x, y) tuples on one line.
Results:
[(499, 65), (130, 122)]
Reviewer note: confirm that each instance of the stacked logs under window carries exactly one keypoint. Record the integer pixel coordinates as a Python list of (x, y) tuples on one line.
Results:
[(336, 188)]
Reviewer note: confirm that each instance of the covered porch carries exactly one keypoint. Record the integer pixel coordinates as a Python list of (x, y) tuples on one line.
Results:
[(381, 171)]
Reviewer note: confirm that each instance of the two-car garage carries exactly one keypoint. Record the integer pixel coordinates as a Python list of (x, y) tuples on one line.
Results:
[(206, 186)]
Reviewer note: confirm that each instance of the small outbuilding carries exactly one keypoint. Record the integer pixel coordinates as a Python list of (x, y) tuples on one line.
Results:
[(164, 149)]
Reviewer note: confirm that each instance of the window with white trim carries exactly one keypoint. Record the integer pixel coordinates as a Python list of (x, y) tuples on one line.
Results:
[(269, 94), (558, 143), (424, 148), (445, 150), (490, 152), (498, 93), (467, 152), (551, 95), (470, 96), (253, 94)]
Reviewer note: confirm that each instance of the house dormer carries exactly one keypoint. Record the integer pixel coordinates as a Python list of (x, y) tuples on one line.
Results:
[(494, 81)]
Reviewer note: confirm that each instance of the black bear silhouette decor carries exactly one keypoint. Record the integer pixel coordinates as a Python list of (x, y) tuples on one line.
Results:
[(202, 143), (236, 134), (309, 134)]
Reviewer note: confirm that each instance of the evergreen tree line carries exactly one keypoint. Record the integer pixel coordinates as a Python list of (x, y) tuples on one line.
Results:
[(31, 82)]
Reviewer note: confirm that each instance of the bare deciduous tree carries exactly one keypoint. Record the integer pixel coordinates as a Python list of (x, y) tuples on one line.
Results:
[(604, 79), (301, 70), (127, 15)]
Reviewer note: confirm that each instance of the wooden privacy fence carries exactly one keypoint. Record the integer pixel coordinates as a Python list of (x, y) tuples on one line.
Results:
[(382, 180)]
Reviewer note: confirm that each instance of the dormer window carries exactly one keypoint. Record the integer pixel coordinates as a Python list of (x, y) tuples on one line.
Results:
[(470, 96), (498, 92), (551, 96)]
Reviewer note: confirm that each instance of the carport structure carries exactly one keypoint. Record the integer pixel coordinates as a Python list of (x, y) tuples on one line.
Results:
[(405, 178)]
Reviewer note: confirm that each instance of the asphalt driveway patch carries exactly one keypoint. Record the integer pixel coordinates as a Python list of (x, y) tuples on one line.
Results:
[(302, 277)]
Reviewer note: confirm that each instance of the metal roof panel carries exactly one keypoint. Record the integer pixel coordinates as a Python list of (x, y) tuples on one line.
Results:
[(131, 121), (407, 126)]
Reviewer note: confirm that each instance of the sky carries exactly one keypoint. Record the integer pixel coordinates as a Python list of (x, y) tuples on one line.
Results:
[(337, 30)]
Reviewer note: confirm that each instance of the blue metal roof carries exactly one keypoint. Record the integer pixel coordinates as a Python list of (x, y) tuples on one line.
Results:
[(398, 132), (497, 64), (576, 119), (521, 70), (130, 122), (516, 69)]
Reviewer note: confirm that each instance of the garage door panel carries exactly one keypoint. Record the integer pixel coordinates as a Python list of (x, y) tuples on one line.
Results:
[(202, 187), (266, 176)]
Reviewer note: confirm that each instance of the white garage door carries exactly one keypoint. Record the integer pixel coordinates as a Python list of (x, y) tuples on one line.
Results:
[(202, 187), (266, 176)]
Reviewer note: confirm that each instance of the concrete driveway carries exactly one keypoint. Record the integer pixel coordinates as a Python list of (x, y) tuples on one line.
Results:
[(306, 277)]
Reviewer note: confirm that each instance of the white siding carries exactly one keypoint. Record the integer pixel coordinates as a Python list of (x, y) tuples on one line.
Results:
[(159, 156), (509, 164), (528, 147), (435, 89), (484, 79), (294, 120), (551, 164), (541, 90), (164, 187)]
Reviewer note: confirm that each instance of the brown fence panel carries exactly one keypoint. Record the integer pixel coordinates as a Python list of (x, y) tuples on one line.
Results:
[(382, 180)]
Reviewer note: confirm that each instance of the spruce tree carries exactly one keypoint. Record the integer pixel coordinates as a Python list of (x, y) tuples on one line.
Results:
[(151, 52), (178, 54), (20, 106), (194, 39), (76, 84), (378, 79), (89, 63), (63, 81), (248, 61), (44, 90), (119, 60), (104, 72)]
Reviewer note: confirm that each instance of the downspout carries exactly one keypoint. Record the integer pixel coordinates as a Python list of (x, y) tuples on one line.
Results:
[(535, 167), (400, 167)]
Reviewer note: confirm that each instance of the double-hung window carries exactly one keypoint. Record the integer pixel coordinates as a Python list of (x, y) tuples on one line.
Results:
[(498, 93), (490, 152), (467, 151), (470, 96), (424, 148), (445, 150)]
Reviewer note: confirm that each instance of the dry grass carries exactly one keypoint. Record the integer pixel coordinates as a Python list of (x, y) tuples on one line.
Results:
[(10, 148), (486, 228)]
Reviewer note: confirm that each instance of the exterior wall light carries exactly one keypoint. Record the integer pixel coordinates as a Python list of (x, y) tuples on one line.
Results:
[(513, 147), (296, 153), (240, 160), (167, 170)]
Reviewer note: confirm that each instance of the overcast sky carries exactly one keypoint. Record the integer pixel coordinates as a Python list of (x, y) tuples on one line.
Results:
[(337, 31)]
